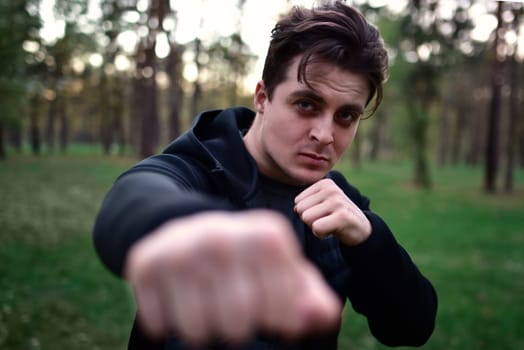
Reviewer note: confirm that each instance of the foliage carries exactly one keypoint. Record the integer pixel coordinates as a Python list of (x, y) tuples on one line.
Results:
[(424, 43), (70, 10), (224, 62), (437, 73), (17, 25)]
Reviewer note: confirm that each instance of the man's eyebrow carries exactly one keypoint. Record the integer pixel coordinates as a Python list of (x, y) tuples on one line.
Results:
[(318, 99), (353, 107), (307, 94)]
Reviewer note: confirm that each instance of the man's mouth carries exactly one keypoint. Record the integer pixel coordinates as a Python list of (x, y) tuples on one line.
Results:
[(315, 157)]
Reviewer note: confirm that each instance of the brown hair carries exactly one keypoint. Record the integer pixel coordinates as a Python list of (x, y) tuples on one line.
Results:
[(332, 32)]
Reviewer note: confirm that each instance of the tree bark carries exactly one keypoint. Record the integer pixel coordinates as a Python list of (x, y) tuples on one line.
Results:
[(118, 113), (34, 129), (442, 155), (356, 151), (419, 120), (175, 94), (50, 127), (422, 177), (2, 141), (476, 127), (492, 146), (492, 156), (512, 125), (521, 146), (15, 137), (376, 135), (106, 135), (64, 125), (149, 111), (197, 90)]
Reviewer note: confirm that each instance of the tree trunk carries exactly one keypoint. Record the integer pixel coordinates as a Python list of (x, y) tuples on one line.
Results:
[(356, 151), (512, 127), (175, 94), (50, 127), (422, 176), (419, 120), (513, 114), (118, 114), (34, 130), (195, 99), (15, 137), (476, 127), (443, 138), (492, 147), (135, 123), (492, 156), (521, 146), (64, 124), (458, 134), (197, 90), (106, 138), (376, 135), (2, 141), (150, 109)]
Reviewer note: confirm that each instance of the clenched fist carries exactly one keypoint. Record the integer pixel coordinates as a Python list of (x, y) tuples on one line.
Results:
[(325, 208), (227, 276)]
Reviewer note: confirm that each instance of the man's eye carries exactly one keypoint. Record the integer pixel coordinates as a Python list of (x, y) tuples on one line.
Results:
[(305, 106), (348, 117)]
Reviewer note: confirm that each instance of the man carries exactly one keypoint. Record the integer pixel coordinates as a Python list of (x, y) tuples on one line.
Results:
[(240, 236)]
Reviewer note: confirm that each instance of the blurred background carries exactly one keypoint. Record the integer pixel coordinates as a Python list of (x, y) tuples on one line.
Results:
[(89, 87)]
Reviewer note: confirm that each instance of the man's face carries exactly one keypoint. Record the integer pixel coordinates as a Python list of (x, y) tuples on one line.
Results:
[(298, 136)]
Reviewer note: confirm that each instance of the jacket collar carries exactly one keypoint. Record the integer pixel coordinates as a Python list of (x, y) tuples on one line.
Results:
[(215, 141)]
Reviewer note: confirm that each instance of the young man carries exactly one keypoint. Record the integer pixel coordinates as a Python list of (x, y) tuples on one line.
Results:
[(240, 236)]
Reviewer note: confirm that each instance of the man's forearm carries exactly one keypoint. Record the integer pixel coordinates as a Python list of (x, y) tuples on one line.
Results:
[(386, 286)]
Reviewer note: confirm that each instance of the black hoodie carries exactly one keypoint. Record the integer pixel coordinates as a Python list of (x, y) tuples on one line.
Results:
[(209, 168)]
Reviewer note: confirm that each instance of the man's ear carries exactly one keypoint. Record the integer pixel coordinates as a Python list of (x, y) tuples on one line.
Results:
[(260, 98)]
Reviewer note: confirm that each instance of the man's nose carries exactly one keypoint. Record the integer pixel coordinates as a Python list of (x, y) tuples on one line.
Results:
[(322, 130)]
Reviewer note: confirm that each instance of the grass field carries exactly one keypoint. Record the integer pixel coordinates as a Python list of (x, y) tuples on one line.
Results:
[(55, 294)]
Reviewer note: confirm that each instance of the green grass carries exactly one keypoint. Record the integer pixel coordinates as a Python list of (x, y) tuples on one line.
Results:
[(469, 244), (55, 294)]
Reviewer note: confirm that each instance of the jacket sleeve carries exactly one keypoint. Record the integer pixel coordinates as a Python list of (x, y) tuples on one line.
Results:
[(385, 286), (156, 190)]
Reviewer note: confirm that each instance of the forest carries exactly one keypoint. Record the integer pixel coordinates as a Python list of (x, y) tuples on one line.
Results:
[(89, 87), (122, 81)]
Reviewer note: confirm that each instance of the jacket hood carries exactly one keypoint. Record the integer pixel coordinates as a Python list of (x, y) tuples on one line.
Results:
[(215, 141)]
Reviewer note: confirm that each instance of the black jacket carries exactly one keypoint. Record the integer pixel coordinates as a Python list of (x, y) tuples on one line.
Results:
[(208, 168)]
